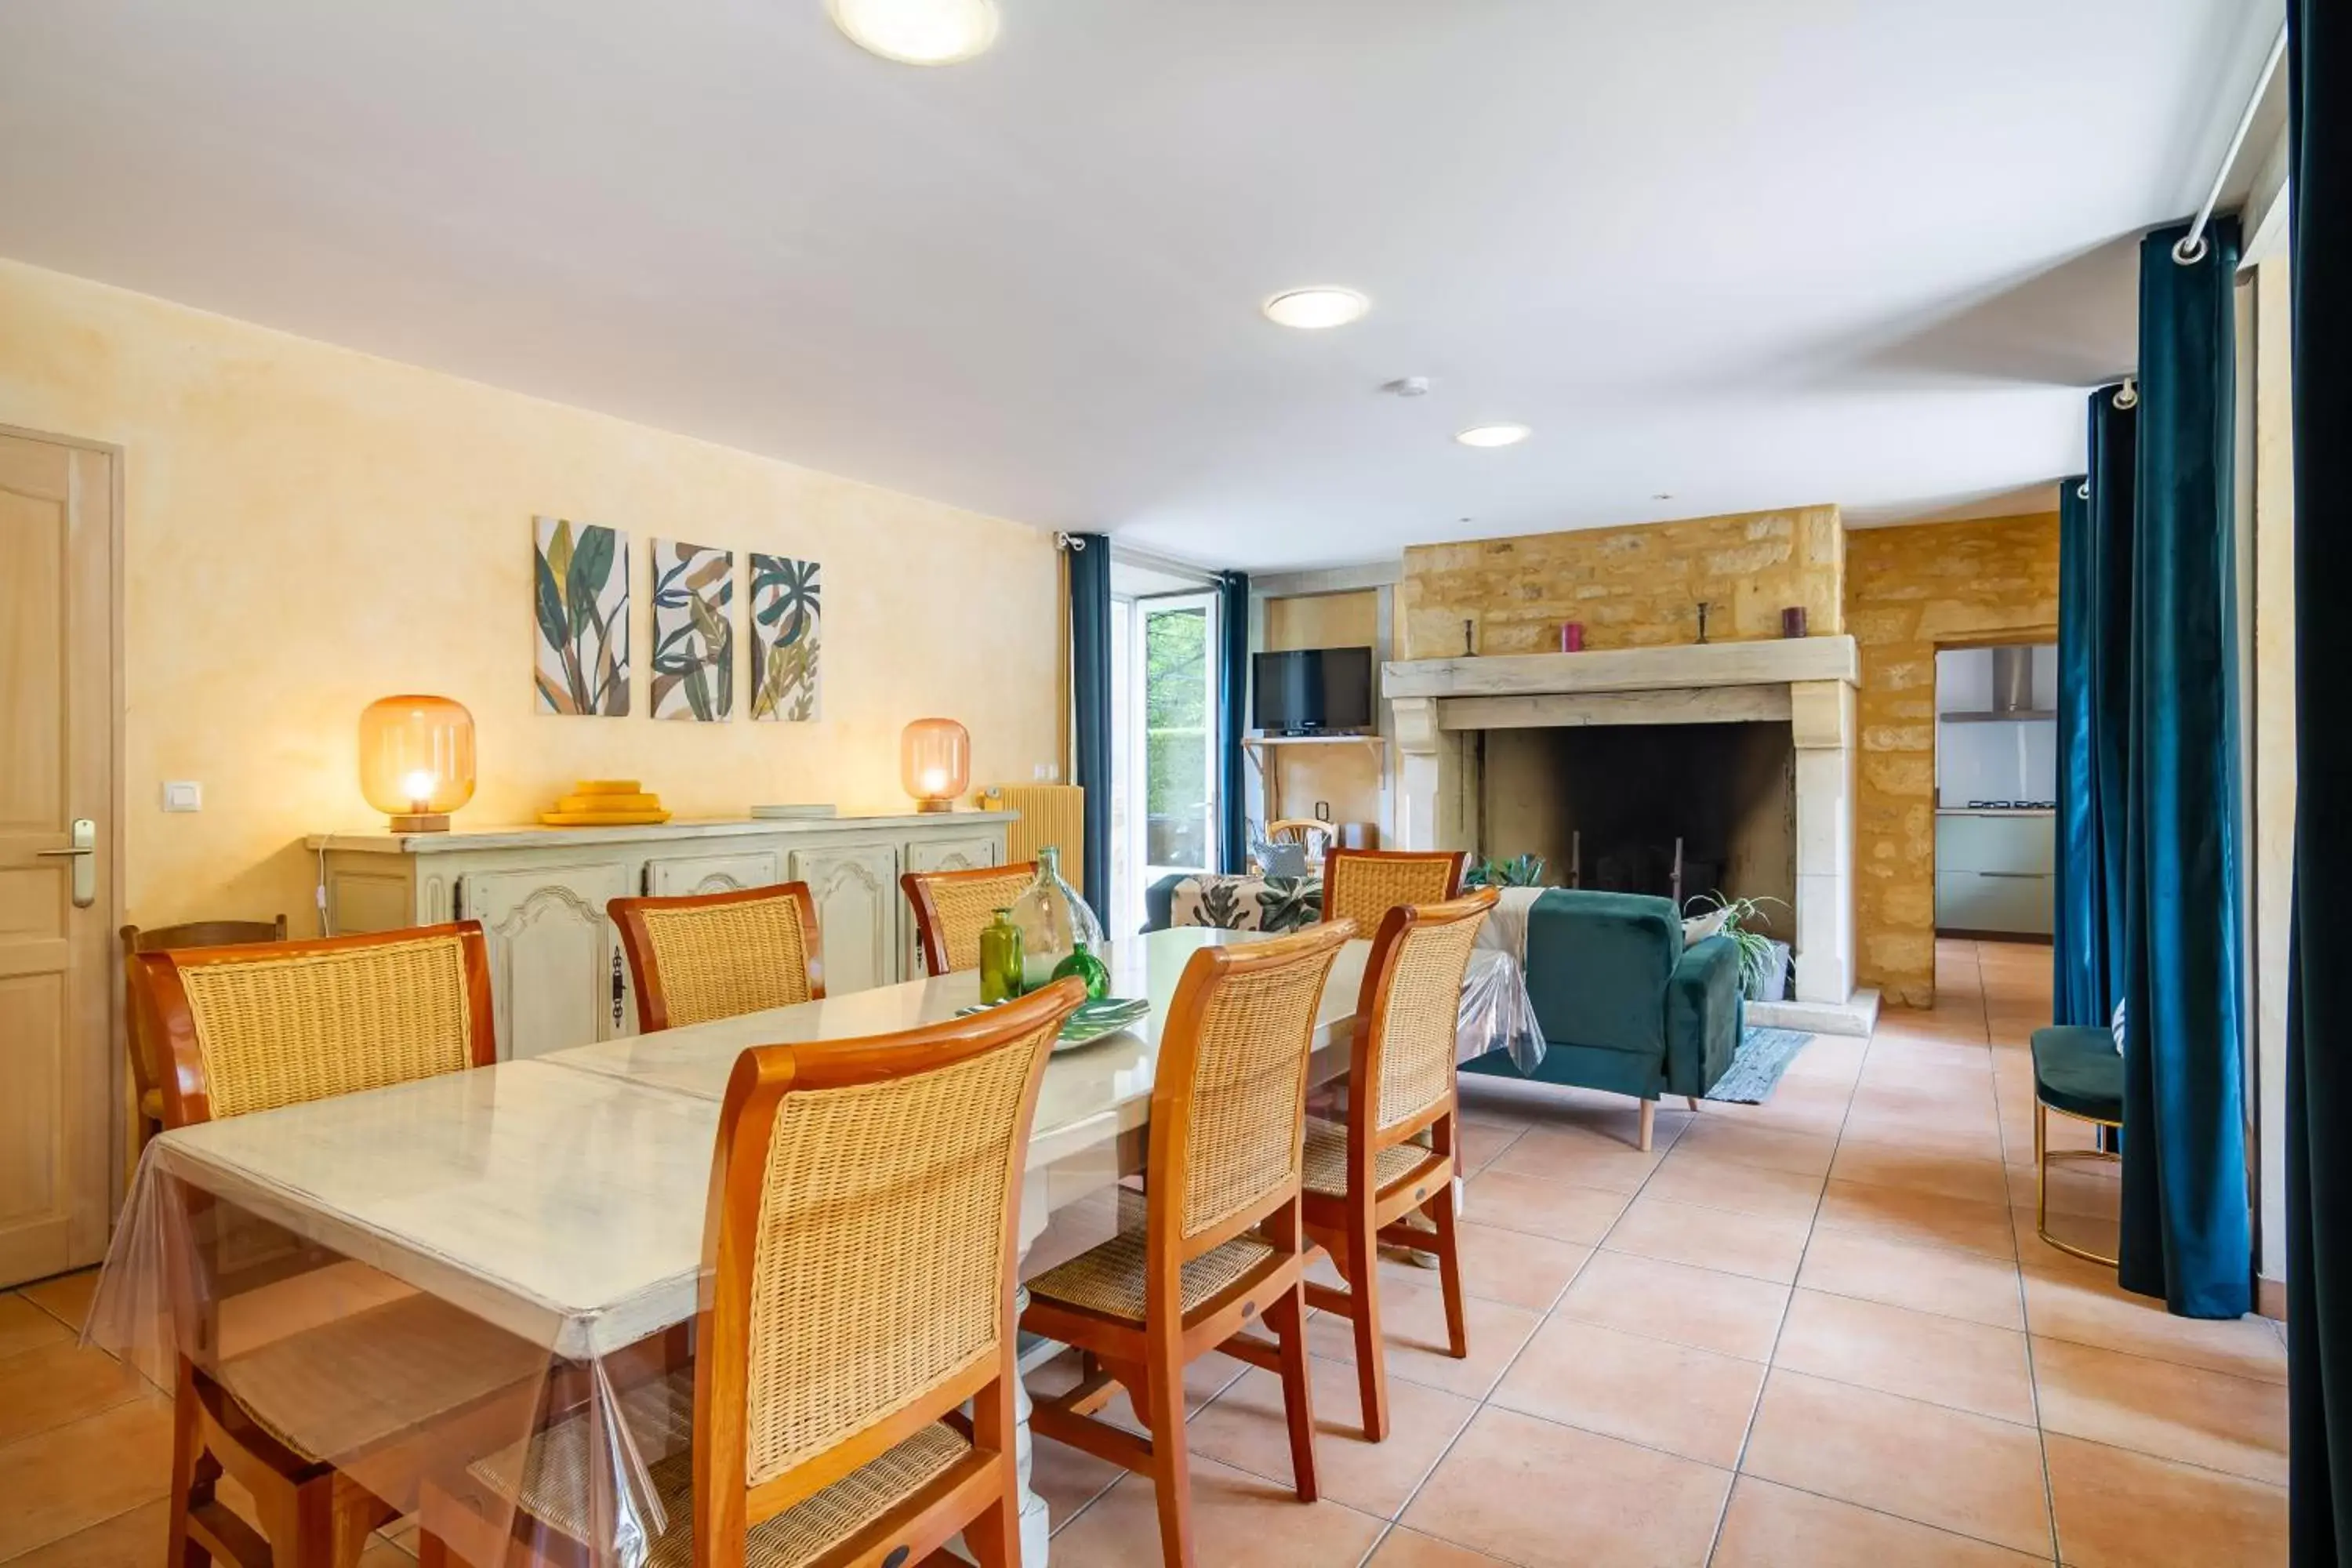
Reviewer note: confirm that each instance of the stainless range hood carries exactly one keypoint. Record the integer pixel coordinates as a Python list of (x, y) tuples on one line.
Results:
[(2012, 690)]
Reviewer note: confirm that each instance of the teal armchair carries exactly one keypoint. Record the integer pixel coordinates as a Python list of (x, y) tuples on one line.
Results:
[(1624, 1005)]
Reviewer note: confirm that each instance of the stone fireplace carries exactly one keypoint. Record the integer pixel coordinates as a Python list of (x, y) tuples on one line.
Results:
[(1498, 757)]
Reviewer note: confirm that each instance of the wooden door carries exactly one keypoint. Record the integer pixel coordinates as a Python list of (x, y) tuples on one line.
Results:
[(856, 890), (555, 961), (58, 1063)]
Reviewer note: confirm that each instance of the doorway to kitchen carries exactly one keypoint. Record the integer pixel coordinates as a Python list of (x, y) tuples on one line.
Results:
[(1996, 790)]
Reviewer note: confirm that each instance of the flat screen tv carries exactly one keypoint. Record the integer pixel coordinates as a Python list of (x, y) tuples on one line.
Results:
[(1305, 692)]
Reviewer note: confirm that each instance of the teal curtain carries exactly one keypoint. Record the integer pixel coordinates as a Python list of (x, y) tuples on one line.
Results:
[(2319, 995), (2186, 1232), (1090, 679), (1233, 718), (2095, 530)]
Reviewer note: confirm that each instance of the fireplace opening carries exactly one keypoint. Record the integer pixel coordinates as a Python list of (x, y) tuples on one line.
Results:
[(1664, 809)]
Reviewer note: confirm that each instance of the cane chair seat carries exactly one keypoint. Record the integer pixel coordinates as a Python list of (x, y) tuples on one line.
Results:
[(550, 1479), (1108, 1278), (953, 907), (341, 1389), (1364, 885), (1326, 1159)]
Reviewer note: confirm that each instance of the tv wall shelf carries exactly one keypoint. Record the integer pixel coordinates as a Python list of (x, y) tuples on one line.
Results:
[(1270, 779)]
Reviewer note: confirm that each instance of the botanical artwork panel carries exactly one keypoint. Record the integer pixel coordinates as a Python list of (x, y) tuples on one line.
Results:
[(787, 628), (581, 593), (694, 632)]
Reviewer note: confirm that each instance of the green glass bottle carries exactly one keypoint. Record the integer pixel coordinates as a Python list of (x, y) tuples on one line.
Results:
[(1000, 959), (1083, 963)]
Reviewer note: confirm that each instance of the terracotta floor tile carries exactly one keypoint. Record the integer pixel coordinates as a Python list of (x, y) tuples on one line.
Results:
[(1831, 1059), (1970, 1140), (2121, 1509), (69, 1477), (1950, 1468), (1541, 1207), (1243, 1427), (1770, 1526), (1505, 1490), (2175, 1412), (2067, 1299), (1413, 1322), (60, 1383), (2075, 1188), (1480, 1143), (1582, 1159), (2094, 1235), (1902, 1214), (1946, 1360), (130, 1540), (24, 1326), (1805, 1107), (1239, 1520), (1067, 1479), (1920, 1170), (1404, 1549), (384, 1555), (1694, 1176), (1512, 1267), (65, 1298), (1753, 1245), (1686, 1401), (1728, 1313), (1949, 1280), (1806, 1153)]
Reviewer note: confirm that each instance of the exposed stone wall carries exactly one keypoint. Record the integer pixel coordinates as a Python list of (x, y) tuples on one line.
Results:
[(1909, 591), (1630, 587)]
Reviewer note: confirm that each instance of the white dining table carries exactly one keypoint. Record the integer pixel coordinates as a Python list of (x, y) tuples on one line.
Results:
[(562, 1198)]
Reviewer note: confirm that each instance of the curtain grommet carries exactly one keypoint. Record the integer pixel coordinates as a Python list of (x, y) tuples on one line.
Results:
[(2189, 250), (2128, 394)]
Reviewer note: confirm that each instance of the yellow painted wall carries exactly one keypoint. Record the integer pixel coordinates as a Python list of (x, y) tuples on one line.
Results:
[(1909, 591), (308, 527), (1349, 778), (1630, 587), (2273, 734)]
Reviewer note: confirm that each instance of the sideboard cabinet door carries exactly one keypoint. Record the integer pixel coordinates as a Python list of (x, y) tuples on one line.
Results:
[(691, 875), (553, 957), (855, 889)]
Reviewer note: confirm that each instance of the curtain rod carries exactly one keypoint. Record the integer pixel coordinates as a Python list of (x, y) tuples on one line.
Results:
[(2190, 249)]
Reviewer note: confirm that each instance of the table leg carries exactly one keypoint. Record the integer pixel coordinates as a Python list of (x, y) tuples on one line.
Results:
[(1037, 1524)]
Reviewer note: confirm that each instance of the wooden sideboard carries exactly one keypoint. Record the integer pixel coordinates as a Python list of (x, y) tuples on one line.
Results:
[(539, 892)]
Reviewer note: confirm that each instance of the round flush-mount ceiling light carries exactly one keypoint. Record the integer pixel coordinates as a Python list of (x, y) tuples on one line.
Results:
[(1493, 434), (1312, 310), (917, 32)]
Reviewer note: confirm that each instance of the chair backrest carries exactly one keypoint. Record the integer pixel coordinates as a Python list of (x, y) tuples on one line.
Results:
[(1364, 885), (144, 1071), (239, 1029), (1303, 830), (716, 955), (1229, 1095), (861, 1242), (1408, 1016), (953, 907)]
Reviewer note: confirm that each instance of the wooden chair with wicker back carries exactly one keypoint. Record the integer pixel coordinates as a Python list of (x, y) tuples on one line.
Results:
[(1221, 1242), (239, 1029), (1364, 885), (1317, 836), (861, 1247), (1397, 1155), (718, 955), (144, 1074), (953, 907)]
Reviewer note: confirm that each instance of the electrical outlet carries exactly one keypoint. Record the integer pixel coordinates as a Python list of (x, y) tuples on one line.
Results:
[(183, 794)]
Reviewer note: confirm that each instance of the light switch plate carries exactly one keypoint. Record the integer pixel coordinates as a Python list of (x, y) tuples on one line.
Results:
[(183, 794)]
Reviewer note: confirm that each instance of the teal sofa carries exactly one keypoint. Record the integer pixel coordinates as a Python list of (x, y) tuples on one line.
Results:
[(1624, 1005)]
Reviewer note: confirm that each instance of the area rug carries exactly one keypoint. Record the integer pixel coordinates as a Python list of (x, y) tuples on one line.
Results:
[(1756, 1067)]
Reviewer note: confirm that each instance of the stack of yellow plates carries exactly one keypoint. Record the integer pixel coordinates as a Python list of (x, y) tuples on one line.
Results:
[(605, 803)]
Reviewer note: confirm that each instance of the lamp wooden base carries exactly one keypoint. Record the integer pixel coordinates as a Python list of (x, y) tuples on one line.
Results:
[(935, 806), (421, 822)]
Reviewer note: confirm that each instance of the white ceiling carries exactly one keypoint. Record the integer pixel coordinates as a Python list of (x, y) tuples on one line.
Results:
[(1743, 253)]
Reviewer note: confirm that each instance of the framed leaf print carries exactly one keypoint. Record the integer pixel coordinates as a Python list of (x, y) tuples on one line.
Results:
[(694, 632), (581, 593), (787, 629)]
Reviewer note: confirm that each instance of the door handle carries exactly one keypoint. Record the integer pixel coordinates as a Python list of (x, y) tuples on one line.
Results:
[(83, 852)]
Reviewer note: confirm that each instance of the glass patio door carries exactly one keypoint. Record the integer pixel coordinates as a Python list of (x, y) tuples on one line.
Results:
[(1164, 714)]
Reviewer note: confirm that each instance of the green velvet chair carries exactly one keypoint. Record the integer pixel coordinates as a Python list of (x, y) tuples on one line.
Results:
[(1624, 1005), (2077, 1072)]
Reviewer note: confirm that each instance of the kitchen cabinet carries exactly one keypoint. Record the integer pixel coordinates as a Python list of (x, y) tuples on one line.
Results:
[(1996, 871), (557, 972)]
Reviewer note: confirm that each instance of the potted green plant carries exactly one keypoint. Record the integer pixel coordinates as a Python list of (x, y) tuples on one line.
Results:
[(1520, 872), (1763, 962)]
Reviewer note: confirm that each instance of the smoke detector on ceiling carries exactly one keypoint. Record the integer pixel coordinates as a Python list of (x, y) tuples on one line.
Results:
[(1408, 386)]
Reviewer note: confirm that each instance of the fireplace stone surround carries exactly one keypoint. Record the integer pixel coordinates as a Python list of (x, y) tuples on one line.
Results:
[(1441, 708)]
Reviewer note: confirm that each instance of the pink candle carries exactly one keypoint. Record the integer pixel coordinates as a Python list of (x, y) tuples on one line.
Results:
[(1572, 637)]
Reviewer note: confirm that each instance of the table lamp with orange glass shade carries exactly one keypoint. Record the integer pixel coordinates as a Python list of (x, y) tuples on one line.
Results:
[(935, 762), (416, 760)]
